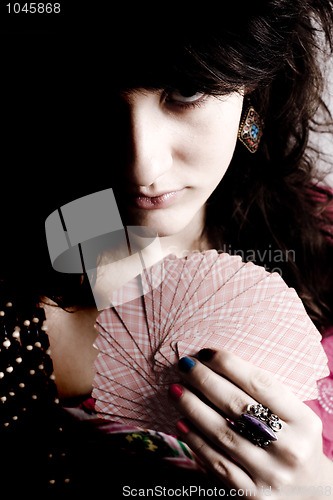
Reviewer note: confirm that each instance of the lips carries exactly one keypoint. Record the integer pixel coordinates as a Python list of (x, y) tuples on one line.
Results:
[(159, 201)]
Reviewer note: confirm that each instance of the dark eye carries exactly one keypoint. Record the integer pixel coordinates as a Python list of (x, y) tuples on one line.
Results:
[(184, 97)]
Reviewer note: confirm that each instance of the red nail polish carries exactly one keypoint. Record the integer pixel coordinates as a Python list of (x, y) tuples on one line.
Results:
[(175, 391), (182, 427)]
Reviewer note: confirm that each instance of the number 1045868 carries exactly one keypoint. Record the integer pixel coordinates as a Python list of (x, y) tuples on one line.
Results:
[(34, 8)]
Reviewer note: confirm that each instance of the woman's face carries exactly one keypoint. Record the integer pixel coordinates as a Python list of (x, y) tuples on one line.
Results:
[(179, 149)]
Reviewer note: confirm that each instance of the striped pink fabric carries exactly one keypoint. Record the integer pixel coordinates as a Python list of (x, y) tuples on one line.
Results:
[(205, 300)]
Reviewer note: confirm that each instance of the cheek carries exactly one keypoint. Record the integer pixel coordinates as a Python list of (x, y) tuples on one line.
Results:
[(224, 130), (220, 145), (208, 143)]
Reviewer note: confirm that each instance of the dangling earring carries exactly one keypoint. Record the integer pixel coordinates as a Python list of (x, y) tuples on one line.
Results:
[(250, 129)]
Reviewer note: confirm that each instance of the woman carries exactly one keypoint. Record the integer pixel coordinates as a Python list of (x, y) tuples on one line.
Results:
[(178, 98)]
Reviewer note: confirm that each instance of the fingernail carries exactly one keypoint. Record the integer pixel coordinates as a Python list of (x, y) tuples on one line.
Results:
[(175, 391), (206, 354), (182, 427), (186, 364)]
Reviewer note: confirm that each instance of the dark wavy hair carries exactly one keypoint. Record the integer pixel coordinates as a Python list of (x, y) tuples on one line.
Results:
[(274, 200), (270, 201)]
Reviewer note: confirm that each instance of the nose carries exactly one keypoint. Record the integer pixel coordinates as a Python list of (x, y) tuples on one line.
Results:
[(150, 145)]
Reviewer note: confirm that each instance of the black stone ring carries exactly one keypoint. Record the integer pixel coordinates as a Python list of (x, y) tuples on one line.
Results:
[(259, 425)]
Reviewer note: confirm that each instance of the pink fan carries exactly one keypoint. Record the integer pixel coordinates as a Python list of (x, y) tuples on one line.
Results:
[(204, 300)]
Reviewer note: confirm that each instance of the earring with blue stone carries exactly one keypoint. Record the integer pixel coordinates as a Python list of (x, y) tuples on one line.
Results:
[(250, 129)]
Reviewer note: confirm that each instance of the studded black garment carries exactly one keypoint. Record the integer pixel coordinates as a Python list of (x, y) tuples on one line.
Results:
[(44, 449)]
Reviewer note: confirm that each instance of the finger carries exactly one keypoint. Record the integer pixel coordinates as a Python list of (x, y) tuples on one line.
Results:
[(222, 393), (258, 383), (223, 467), (217, 429)]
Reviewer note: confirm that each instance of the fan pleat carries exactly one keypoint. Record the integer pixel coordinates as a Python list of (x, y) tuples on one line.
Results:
[(208, 299)]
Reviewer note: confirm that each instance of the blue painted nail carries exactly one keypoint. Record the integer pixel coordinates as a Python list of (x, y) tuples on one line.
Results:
[(186, 364)]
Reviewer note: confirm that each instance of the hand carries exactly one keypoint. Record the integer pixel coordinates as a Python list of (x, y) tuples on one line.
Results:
[(294, 466)]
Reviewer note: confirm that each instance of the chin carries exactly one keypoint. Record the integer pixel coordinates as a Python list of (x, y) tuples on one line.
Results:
[(164, 230), (163, 224)]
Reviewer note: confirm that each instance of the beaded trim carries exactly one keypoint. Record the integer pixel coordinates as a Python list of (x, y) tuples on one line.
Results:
[(26, 369), (27, 387), (325, 396)]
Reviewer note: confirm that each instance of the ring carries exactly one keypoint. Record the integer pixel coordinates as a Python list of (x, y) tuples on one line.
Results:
[(259, 425)]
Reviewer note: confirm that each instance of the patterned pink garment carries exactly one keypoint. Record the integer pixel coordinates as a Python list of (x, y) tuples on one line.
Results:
[(323, 406)]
